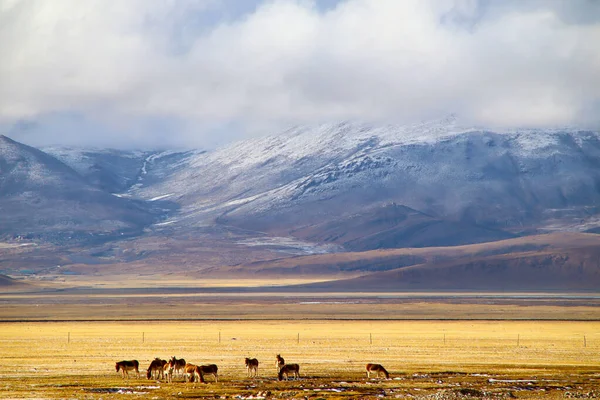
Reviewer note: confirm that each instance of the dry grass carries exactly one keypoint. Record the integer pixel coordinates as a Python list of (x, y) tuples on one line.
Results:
[(448, 359), (210, 305)]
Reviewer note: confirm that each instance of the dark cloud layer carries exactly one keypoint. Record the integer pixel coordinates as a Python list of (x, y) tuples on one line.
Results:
[(201, 72)]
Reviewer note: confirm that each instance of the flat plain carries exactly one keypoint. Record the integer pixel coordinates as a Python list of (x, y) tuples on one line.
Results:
[(426, 359)]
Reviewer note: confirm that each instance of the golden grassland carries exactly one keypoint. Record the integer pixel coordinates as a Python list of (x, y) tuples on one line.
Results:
[(427, 359)]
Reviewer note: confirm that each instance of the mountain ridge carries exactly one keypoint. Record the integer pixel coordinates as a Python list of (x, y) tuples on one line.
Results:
[(331, 188), (41, 197)]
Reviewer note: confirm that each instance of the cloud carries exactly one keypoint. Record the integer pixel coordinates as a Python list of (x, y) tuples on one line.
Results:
[(185, 72)]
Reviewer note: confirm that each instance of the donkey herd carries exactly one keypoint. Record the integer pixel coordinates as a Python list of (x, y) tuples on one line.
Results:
[(163, 369)]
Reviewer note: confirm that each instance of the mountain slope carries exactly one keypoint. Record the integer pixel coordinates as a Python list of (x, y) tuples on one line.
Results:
[(42, 197), (111, 170), (487, 179), (8, 281), (553, 262), (395, 258), (393, 226), (309, 178), (567, 270), (117, 171)]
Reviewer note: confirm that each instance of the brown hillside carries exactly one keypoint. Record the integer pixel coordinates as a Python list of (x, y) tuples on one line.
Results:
[(569, 270), (366, 262), (561, 261), (6, 281), (395, 226)]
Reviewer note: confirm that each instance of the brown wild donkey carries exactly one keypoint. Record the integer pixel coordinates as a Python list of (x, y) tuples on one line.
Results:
[(156, 369), (252, 365), (168, 371), (178, 366), (192, 373), (279, 362), (126, 366), (210, 369), (287, 369), (378, 370)]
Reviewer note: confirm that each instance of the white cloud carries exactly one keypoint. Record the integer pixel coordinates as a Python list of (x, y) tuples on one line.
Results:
[(288, 62)]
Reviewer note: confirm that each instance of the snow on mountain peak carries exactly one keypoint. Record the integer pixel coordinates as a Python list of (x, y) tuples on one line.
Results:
[(247, 168), (441, 167), (326, 140)]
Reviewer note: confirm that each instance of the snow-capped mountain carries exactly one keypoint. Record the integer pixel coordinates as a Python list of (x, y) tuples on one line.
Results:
[(364, 186), (516, 182), (330, 192)]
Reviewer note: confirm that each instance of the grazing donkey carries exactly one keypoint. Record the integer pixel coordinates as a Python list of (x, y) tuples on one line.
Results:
[(156, 369), (377, 369), (192, 373)]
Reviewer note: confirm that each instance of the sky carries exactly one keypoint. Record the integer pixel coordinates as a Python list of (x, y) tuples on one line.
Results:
[(201, 73)]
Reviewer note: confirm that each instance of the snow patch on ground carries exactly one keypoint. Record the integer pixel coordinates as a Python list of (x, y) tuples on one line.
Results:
[(243, 200), (164, 196), (166, 223), (290, 245)]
